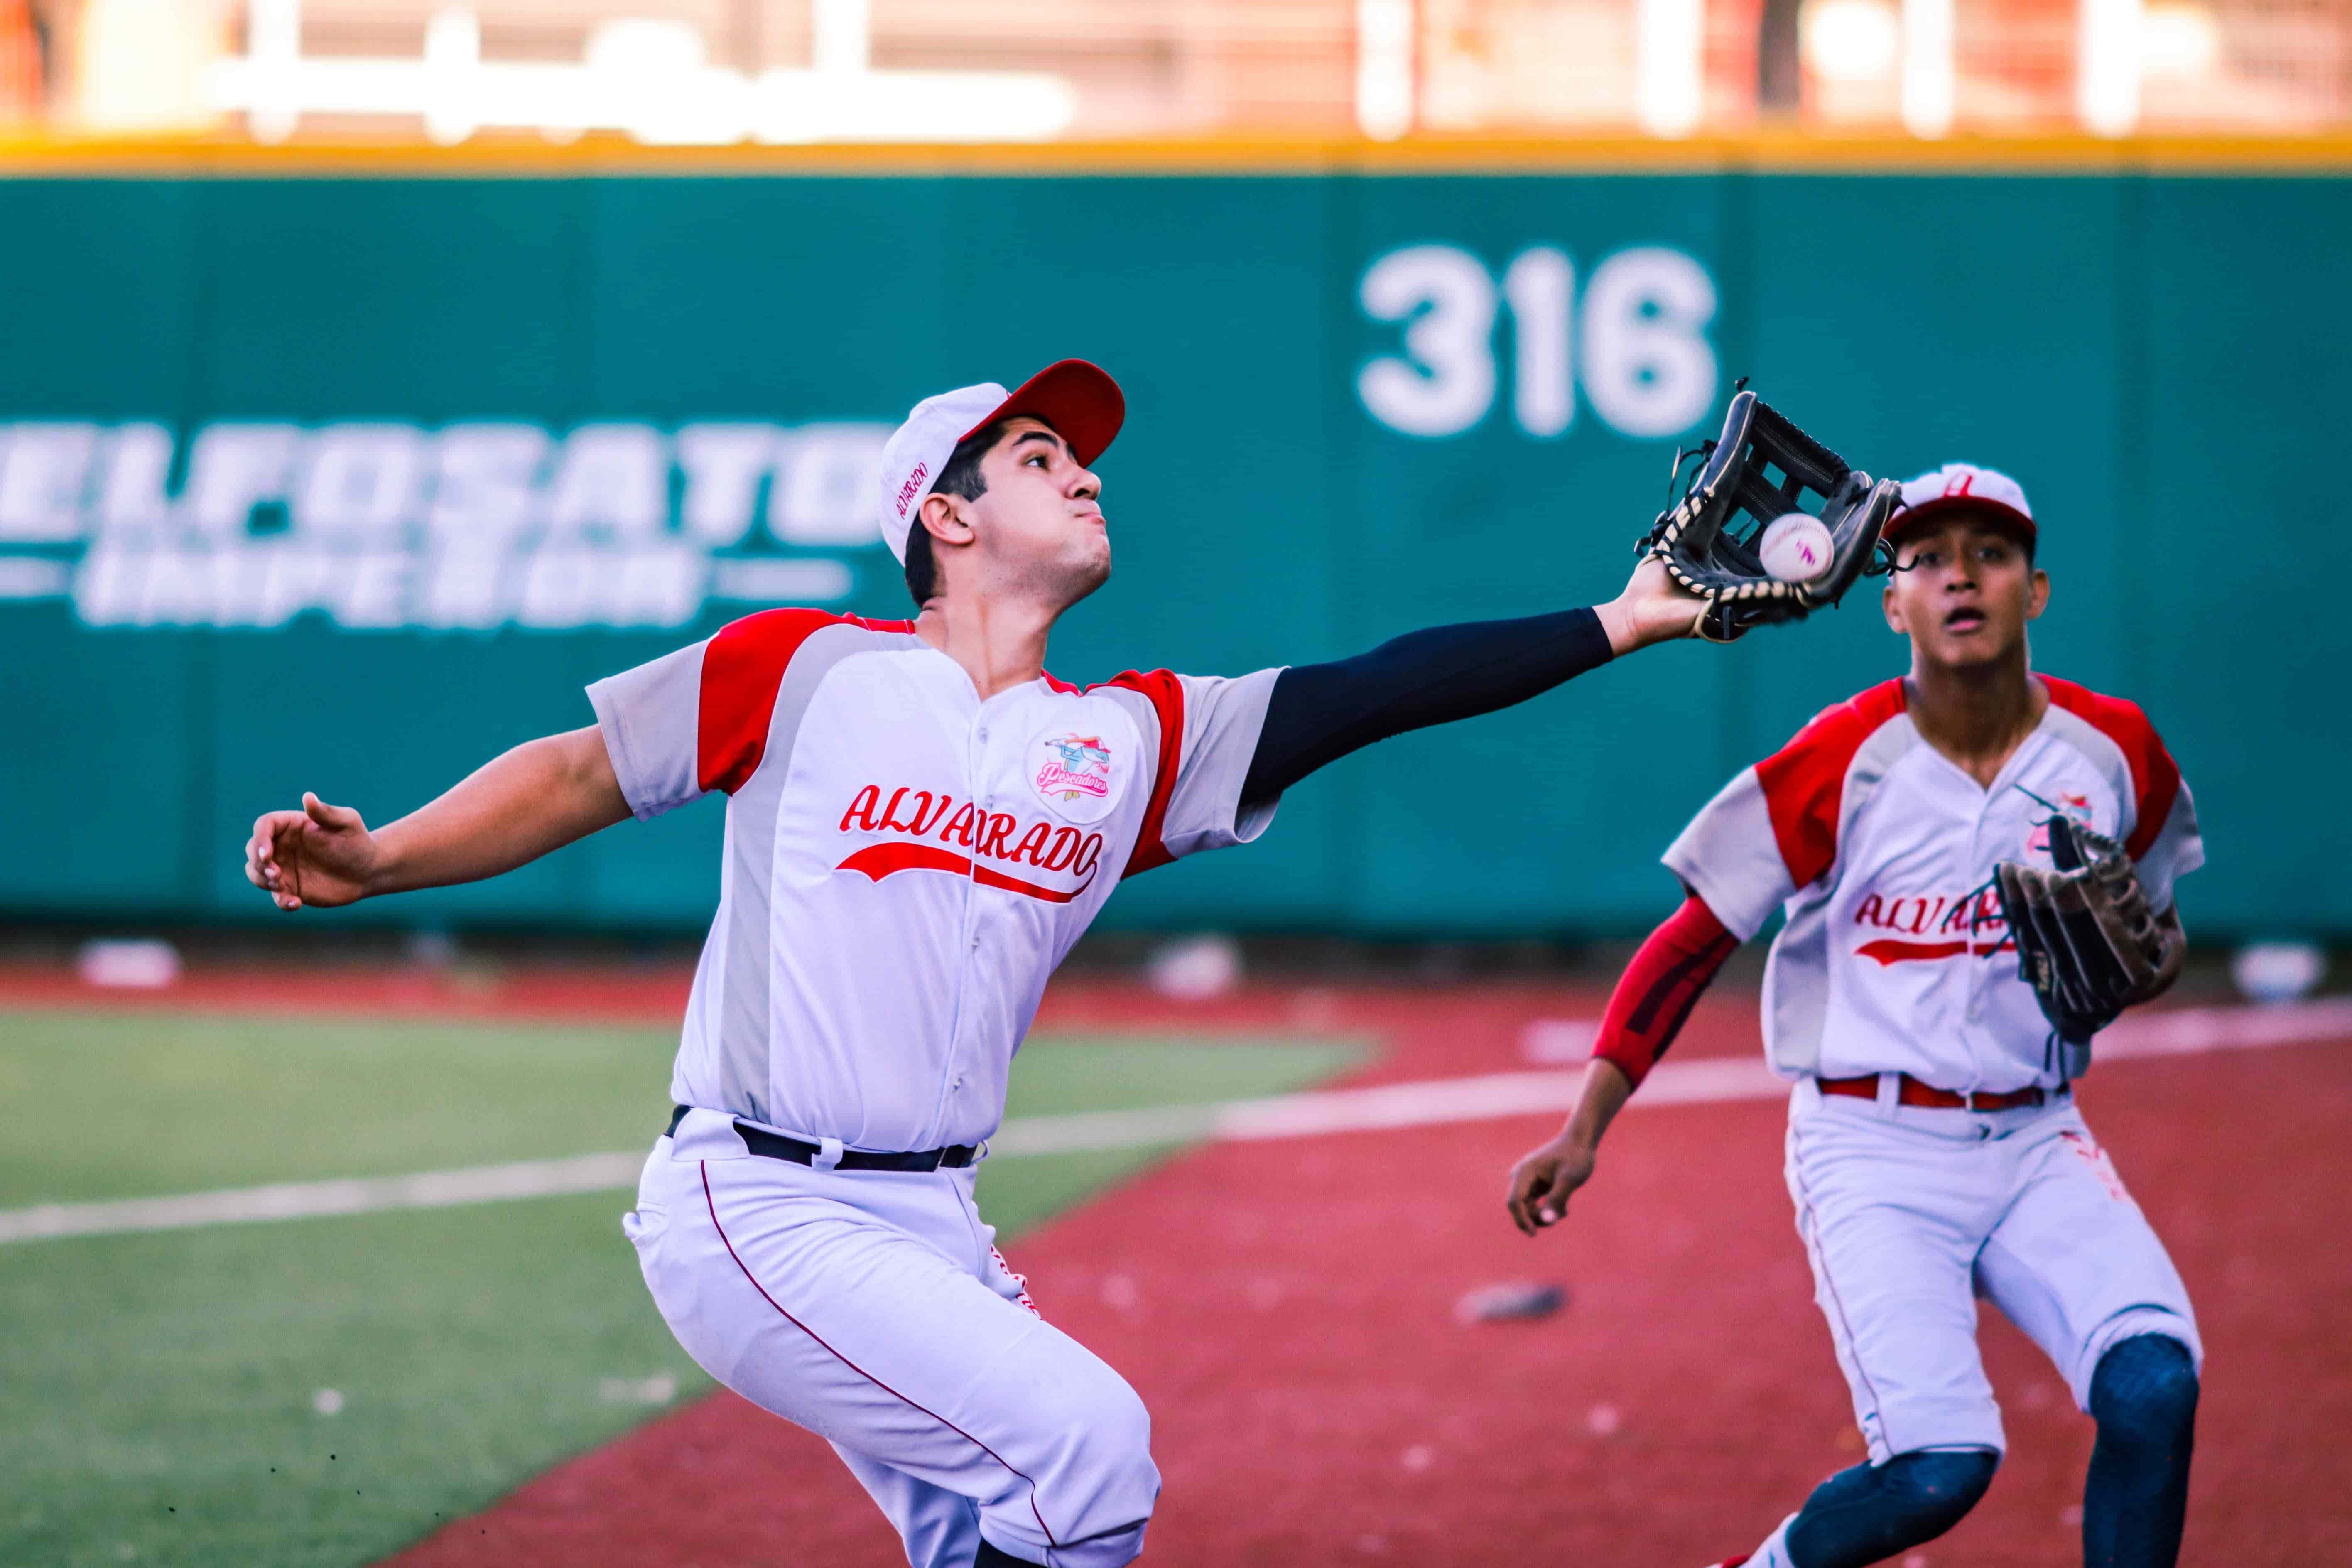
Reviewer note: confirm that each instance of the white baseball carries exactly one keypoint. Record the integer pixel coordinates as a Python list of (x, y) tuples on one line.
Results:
[(1795, 548)]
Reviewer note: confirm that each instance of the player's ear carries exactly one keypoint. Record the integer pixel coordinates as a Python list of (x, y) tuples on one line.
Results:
[(1893, 612), (2037, 594), (946, 518)]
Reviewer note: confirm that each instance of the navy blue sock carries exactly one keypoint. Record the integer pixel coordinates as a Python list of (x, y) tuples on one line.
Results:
[(2143, 1397), (1873, 1511)]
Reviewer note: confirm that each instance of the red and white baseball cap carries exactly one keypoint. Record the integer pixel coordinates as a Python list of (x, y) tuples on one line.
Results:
[(1079, 400), (1956, 485)]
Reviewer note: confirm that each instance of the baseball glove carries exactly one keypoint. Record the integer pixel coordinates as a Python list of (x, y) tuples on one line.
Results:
[(1711, 550), (2086, 941)]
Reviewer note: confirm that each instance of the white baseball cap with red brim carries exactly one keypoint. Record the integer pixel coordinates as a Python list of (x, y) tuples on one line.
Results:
[(1080, 401), (1958, 485)]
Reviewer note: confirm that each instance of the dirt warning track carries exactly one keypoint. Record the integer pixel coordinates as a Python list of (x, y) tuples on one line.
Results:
[(1286, 1308)]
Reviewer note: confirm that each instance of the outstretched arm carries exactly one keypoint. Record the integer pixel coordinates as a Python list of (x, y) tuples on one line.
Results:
[(1647, 1010), (1317, 713), (513, 809)]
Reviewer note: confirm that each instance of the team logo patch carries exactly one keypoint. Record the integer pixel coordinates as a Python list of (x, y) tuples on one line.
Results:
[(2078, 806), (1074, 774)]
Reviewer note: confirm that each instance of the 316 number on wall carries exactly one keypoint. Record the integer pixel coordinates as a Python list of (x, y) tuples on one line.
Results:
[(1638, 345)]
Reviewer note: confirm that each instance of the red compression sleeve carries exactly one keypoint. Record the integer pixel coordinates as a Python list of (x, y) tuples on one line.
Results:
[(1658, 989)]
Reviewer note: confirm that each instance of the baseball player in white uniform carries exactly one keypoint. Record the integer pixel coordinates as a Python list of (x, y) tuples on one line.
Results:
[(921, 821), (1934, 1153)]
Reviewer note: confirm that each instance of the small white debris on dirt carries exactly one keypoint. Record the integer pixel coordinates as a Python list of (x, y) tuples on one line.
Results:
[(1195, 968), (1553, 1040), (2278, 971), (659, 1389), (1512, 1299), (128, 965)]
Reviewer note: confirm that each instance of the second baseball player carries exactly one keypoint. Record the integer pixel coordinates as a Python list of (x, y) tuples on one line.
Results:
[(1934, 1150)]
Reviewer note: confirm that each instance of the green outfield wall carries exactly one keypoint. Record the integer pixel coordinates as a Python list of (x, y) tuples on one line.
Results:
[(347, 484)]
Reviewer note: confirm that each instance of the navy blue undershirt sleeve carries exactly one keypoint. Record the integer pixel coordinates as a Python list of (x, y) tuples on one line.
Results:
[(1317, 713)]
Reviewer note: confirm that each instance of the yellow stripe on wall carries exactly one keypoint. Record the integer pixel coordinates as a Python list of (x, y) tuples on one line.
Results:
[(1762, 152)]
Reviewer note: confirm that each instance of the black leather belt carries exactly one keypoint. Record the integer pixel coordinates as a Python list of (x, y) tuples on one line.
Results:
[(776, 1146)]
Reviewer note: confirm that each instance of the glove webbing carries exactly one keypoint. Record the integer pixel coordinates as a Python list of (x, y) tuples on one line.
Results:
[(1804, 463)]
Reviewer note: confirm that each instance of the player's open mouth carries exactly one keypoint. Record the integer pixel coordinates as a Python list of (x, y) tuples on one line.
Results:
[(1964, 620)]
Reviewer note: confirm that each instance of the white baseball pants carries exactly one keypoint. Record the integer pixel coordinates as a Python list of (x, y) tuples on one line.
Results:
[(1909, 1214), (871, 1308)]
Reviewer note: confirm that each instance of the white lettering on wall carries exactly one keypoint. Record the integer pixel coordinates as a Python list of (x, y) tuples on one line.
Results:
[(138, 462), (486, 480), (824, 493), (724, 465), (44, 471), (1540, 285), (1648, 366), (1638, 345), (468, 585), (1444, 380), (612, 481), (474, 527), (360, 481), (233, 469)]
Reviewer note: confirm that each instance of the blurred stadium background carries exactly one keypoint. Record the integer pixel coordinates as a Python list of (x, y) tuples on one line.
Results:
[(798, 71), (379, 372)]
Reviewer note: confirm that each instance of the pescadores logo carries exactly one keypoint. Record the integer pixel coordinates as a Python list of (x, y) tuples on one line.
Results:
[(470, 526), (2078, 806), (1074, 775)]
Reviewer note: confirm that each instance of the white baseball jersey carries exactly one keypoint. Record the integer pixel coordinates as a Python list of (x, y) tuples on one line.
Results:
[(1894, 956), (905, 863)]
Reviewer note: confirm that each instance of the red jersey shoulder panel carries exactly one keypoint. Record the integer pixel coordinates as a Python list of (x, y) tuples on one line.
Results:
[(2156, 777), (742, 670), (1804, 781), (1166, 693)]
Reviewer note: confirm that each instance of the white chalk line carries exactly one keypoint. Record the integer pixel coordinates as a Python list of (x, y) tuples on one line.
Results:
[(1383, 1107)]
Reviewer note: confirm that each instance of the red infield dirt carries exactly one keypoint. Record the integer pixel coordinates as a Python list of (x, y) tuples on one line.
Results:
[(1286, 1310)]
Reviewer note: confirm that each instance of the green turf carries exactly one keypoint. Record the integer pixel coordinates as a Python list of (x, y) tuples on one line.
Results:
[(151, 1383), (134, 1104)]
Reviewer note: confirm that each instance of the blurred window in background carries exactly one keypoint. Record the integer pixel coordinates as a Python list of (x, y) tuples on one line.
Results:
[(143, 65), (24, 65), (720, 71)]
